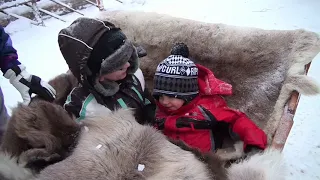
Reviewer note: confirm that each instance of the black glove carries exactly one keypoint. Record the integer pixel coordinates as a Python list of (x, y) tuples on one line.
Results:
[(159, 123), (148, 113), (252, 149), (197, 124)]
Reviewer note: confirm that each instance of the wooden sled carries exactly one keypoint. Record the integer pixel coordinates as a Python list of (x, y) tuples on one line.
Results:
[(267, 68), (275, 62)]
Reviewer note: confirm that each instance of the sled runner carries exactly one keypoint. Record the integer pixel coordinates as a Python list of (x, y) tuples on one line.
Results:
[(286, 120)]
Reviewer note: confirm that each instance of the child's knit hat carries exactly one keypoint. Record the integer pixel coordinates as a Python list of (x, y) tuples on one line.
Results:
[(177, 75)]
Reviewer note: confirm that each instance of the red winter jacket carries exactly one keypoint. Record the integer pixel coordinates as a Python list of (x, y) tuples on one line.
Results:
[(192, 132)]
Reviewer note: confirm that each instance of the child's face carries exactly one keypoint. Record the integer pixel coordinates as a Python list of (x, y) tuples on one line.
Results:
[(171, 103), (116, 75)]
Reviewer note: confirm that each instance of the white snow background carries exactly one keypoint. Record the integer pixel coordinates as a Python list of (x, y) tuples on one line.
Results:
[(38, 50)]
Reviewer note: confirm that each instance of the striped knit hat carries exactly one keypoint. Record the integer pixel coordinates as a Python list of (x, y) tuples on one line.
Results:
[(177, 76)]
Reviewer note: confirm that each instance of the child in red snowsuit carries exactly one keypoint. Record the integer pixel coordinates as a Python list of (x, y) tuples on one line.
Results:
[(190, 107)]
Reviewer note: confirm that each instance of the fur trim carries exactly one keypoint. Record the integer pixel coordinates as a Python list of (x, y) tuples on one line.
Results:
[(134, 62), (268, 165), (10, 169), (126, 53), (107, 88)]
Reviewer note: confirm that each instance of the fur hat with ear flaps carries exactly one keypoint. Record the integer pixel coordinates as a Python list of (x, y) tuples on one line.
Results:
[(92, 47)]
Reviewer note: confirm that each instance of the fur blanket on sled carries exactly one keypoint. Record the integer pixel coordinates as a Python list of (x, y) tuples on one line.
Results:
[(114, 146), (42, 133), (43, 142), (264, 66)]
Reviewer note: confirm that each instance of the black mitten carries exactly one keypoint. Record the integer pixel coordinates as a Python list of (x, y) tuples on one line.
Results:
[(252, 149)]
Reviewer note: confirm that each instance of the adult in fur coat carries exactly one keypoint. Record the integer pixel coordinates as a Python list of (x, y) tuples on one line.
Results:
[(114, 146)]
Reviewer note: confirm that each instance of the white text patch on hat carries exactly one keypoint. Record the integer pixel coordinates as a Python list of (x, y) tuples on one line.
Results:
[(178, 70)]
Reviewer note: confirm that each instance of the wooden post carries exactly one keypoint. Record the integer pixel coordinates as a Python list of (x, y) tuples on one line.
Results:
[(18, 17), (36, 12), (90, 2), (50, 14), (67, 6), (286, 120), (100, 5), (14, 4)]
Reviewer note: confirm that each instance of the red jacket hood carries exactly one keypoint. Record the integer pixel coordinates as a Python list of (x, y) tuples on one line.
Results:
[(208, 85)]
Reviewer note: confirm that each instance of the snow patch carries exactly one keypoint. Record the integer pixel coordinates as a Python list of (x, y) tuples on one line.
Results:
[(18, 25)]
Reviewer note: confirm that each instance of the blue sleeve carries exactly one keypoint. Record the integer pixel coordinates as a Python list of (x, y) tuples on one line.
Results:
[(8, 55)]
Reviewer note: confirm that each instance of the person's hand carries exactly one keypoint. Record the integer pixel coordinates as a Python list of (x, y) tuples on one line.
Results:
[(27, 84), (159, 123)]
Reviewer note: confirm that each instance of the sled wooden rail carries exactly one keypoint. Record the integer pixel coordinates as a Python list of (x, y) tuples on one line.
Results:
[(15, 4), (99, 4), (286, 120), (67, 6), (36, 10), (31, 3)]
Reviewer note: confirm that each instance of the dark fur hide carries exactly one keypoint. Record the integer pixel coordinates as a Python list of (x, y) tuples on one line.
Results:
[(42, 133), (213, 162)]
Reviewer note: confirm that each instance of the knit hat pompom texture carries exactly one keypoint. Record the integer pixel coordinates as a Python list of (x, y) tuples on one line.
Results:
[(177, 76)]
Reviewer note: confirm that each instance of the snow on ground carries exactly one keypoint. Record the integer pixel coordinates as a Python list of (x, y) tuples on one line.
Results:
[(23, 8), (38, 49)]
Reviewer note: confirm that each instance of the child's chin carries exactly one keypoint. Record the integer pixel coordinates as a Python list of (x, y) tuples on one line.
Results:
[(124, 75), (172, 109)]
